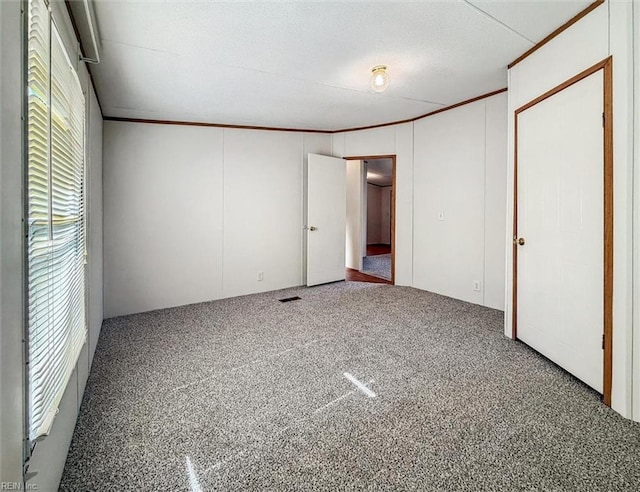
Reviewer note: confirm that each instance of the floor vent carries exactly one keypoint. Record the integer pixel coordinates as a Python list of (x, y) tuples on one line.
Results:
[(289, 299)]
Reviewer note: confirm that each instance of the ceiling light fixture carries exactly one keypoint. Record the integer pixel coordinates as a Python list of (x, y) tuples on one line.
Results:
[(379, 78)]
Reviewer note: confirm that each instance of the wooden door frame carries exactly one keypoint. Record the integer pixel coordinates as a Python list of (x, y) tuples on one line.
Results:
[(393, 203), (607, 72)]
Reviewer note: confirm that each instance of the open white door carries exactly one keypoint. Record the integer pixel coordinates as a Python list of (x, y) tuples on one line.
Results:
[(560, 228), (326, 219)]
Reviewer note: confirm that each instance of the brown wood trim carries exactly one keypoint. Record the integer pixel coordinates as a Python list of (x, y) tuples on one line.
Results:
[(608, 230), (410, 120), (365, 157), (393, 220), (606, 67), (558, 31), (463, 103), (378, 125), (514, 301), (330, 132), (214, 125)]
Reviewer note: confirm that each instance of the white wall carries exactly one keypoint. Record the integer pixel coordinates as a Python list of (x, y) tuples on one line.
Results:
[(354, 214), (262, 188), (605, 31), (385, 214), (263, 223), (378, 214), (454, 161), (374, 213), (495, 196), (49, 455), (193, 214), (163, 215), (459, 200), (449, 183), (95, 222)]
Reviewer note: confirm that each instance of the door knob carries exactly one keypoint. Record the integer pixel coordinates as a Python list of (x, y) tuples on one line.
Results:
[(519, 241), (313, 228)]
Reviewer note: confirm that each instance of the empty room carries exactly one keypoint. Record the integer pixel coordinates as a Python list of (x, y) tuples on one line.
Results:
[(319, 245)]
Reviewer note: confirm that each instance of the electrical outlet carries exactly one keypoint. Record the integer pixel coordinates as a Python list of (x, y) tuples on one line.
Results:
[(260, 276), (476, 285)]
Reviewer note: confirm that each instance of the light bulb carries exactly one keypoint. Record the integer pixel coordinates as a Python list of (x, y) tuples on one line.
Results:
[(379, 78)]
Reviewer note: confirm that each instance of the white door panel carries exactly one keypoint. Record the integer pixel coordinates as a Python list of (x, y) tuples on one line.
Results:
[(326, 219), (560, 216)]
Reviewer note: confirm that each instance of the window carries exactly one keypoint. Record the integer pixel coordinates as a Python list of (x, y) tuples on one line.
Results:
[(56, 219)]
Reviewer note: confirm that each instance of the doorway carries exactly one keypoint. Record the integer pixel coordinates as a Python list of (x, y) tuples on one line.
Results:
[(370, 234)]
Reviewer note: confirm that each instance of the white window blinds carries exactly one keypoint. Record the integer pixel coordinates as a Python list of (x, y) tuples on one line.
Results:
[(56, 219)]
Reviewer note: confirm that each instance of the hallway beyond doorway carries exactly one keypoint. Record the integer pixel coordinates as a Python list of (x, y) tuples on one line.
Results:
[(372, 250)]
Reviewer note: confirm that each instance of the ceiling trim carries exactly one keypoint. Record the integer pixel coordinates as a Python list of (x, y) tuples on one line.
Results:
[(363, 157), (410, 120), (302, 130), (555, 33), (214, 125)]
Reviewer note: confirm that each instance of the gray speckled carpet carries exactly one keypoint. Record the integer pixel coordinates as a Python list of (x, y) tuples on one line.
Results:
[(250, 394), (378, 266)]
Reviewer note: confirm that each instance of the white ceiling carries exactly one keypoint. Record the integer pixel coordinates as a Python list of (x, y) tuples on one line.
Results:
[(306, 64), (379, 172)]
